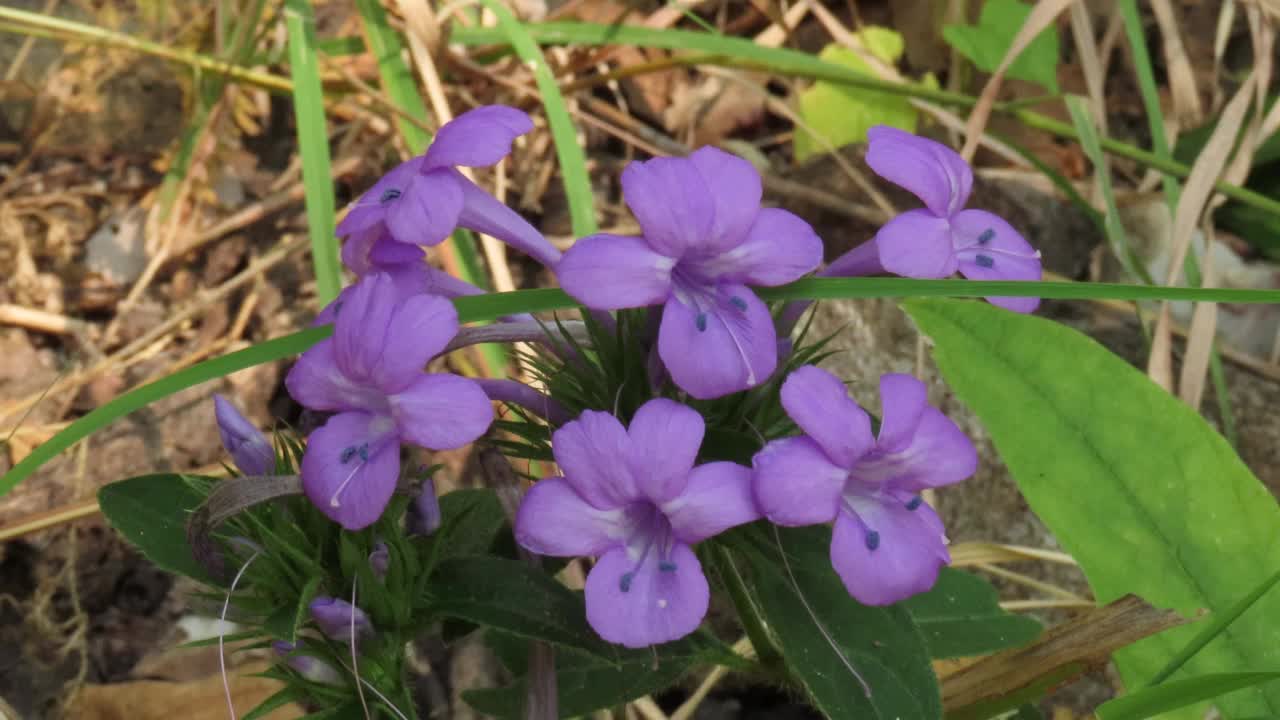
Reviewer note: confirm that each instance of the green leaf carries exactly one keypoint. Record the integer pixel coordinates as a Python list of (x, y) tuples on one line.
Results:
[(481, 589), (313, 145), (961, 617), (585, 682), (986, 43), (1133, 483), (832, 644), (280, 699), (1180, 694), (470, 520), (283, 624), (841, 114), (151, 511)]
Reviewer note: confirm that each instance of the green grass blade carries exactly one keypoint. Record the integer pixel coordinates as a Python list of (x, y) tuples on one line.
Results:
[(1179, 694), (313, 144), (1218, 623), (743, 53), (573, 163), (488, 307), (1147, 88), (1092, 145)]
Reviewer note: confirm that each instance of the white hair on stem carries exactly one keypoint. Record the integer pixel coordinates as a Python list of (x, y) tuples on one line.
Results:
[(222, 631)]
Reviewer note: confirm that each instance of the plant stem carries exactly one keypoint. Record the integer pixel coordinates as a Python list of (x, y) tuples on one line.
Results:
[(756, 629)]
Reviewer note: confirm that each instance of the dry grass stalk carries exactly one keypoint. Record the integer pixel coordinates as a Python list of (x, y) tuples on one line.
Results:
[(1188, 111)]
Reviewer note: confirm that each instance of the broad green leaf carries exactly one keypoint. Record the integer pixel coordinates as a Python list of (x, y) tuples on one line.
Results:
[(1135, 485), (585, 682), (832, 644), (151, 512), (841, 114), (986, 43), (470, 519), (512, 597), (961, 617), (1180, 694)]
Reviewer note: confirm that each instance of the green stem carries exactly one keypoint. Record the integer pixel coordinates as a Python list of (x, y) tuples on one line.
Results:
[(766, 650)]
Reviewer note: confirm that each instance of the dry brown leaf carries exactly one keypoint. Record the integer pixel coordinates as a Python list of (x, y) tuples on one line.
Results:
[(1064, 652), (1041, 16), (1204, 326), (203, 699)]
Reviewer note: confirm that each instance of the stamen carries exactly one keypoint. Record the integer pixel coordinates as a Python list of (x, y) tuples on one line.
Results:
[(915, 502), (624, 583), (347, 454), (984, 261), (701, 322), (388, 195), (667, 566), (873, 540), (364, 452), (738, 303), (987, 236)]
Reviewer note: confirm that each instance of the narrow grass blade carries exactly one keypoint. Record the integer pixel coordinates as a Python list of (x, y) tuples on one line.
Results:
[(313, 144), (573, 163), (1147, 88), (1181, 693), (491, 306), (1090, 142)]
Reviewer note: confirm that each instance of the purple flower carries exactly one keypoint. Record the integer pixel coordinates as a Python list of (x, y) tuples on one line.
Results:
[(887, 544), (633, 498), (942, 237), (249, 448), (336, 618), (424, 199), (311, 668), (370, 374), (424, 515), (705, 240)]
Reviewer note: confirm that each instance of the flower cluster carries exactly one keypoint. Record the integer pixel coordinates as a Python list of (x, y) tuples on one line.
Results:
[(636, 496)]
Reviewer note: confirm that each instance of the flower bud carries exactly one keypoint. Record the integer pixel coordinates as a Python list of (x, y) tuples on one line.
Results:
[(380, 560), (424, 514), (311, 668), (335, 619), (249, 448)]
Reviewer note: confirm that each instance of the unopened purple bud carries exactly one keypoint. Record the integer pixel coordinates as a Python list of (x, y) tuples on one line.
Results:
[(249, 448), (380, 560), (424, 514), (335, 618), (311, 668)]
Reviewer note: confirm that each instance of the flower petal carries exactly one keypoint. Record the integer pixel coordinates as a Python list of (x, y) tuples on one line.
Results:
[(903, 399), (657, 605), (477, 138), (483, 213), (374, 249), (717, 498), (672, 202), (591, 452), (735, 191), (728, 345), (937, 453), (441, 411), (795, 483), (250, 449), (428, 211), (350, 468), (818, 402), (371, 208), (609, 272), (888, 553), (932, 171), (554, 520), (384, 339), (778, 248), (316, 382), (917, 244), (665, 438), (988, 248)]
